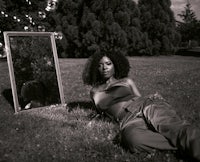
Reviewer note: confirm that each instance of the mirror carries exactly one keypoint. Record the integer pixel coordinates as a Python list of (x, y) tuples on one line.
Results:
[(33, 69)]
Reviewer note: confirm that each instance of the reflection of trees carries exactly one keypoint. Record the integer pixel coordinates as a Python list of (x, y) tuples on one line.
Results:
[(33, 60)]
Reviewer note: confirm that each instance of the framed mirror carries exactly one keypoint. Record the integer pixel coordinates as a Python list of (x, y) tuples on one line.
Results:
[(34, 69)]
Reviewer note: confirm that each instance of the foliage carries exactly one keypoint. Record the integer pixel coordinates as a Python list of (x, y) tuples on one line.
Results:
[(88, 26), (190, 26), (157, 19), (19, 13), (2, 5)]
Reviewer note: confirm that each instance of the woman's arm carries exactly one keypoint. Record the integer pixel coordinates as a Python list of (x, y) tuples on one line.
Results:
[(92, 91), (97, 113), (133, 87)]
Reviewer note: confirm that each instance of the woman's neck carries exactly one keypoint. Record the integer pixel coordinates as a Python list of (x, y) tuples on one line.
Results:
[(110, 80), (106, 83)]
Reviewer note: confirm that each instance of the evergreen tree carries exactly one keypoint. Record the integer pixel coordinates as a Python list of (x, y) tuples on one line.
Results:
[(66, 20), (89, 26), (157, 20), (188, 15), (110, 34), (112, 25), (190, 27)]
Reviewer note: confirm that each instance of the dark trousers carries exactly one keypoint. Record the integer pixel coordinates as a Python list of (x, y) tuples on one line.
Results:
[(161, 128)]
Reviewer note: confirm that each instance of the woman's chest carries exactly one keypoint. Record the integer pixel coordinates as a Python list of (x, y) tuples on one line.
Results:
[(107, 98)]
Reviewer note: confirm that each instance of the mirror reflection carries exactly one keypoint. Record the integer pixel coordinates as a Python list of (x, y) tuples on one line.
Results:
[(34, 71)]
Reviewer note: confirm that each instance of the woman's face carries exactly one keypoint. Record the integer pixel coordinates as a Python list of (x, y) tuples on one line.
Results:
[(106, 68)]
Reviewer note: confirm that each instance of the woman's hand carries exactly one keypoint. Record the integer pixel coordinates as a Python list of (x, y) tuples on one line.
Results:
[(94, 115), (155, 96)]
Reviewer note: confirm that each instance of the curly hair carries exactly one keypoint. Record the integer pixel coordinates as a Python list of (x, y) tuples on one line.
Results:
[(33, 90), (91, 75)]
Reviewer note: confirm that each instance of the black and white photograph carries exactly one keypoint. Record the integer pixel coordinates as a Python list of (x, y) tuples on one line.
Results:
[(100, 80)]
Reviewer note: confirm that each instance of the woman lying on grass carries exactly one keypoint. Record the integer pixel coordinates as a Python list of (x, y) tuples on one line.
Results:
[(146, 123)]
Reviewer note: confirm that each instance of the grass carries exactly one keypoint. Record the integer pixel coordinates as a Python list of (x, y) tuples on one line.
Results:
[(67, 134)]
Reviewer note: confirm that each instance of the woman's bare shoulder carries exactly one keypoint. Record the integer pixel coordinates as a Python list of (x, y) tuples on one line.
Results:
[(123, 81), (127, 80), (130, 82)]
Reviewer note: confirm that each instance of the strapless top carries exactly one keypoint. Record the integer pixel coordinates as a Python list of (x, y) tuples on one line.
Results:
[(118, 99), (113, 99)]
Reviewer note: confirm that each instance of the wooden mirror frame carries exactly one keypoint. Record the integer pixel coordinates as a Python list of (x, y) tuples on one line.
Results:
[(50, 35)]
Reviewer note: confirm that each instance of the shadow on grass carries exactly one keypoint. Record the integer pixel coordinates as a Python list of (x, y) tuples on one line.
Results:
[(88, 105), (7, 93), (79, 104), (189, 52)]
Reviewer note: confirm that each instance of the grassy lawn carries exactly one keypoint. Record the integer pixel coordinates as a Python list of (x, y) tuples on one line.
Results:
[(67, 134)]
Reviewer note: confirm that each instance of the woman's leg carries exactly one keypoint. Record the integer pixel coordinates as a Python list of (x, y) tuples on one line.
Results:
[(137, 137), (180, 133)]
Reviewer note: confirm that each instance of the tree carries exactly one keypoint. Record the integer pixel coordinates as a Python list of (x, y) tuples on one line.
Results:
[(2, 5), (188, 15), (3, 17), (116, 26), (20, 15), (29, 15), (65, 20), (111, 33), (89, 26), (157, 20), (190, 26)]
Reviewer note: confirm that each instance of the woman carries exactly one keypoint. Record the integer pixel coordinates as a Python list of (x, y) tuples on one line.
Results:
[(33, 94), (146, 123)]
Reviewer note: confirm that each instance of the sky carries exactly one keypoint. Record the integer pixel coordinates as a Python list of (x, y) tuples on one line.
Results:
[(179, 5)]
